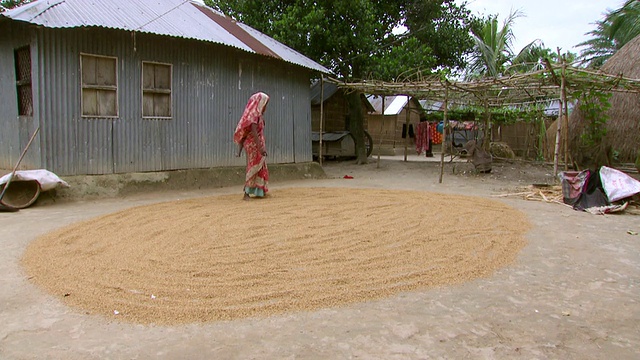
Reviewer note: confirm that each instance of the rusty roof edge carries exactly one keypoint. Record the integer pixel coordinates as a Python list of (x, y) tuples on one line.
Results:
[(238, 32)]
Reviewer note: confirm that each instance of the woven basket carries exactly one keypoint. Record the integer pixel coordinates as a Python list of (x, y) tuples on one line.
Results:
[(20, 193)]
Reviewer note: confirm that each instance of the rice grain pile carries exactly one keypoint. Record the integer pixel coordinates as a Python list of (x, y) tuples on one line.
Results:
[(300, 249)]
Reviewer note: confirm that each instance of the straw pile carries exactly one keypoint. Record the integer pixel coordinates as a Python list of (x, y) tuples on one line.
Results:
[(538, 192)]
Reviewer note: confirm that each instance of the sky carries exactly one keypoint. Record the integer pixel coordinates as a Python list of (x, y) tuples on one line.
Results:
[(558, 23)]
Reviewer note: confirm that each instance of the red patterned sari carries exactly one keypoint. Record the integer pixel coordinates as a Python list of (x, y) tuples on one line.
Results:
[(257, 174)]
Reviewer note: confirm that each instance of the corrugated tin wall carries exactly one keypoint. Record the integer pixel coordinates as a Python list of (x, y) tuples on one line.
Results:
[(15, 131), (211, 85)]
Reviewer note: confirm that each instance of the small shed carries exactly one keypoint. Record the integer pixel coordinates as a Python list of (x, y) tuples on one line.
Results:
[(126, 86), (335, 108), (336, 122)]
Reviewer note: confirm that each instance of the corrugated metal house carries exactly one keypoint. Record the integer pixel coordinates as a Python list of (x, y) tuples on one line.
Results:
[(124, 86)]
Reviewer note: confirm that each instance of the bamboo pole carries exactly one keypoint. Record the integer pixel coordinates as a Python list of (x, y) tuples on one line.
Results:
[(406, 124), (445, 126), (381, 129), (556, 152), (486, 142), (563, 94), (321, 117), (527, 126)]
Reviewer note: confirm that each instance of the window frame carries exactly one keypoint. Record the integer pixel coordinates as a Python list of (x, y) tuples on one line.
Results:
[(22, 83), (114, 88), (158, 91)]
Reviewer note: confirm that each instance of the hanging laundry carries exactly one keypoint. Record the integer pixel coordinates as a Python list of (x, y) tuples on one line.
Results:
[(436, 135), (423, 139)]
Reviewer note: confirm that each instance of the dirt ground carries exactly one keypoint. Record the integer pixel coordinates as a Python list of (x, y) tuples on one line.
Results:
[(571, 293)]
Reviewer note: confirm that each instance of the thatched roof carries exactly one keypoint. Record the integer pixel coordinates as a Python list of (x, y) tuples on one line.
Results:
[(623, 126)]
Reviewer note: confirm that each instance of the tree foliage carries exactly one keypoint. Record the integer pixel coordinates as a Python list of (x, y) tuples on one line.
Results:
[(494, 55), (358, 38), (340, 34), (10, 4), (444, 27), (617, 28), (493, 46)]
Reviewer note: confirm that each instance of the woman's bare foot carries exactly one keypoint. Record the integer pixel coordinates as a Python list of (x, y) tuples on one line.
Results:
[(246, 197)]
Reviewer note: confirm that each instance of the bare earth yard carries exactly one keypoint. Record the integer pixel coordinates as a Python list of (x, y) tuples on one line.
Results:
[(387, 265)]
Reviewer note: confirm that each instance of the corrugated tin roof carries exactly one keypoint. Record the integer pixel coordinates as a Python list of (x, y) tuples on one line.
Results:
[(393, 105), (396, 106), (328, 136), (176, 18), (317, 91), (331, 89), (429, 105)]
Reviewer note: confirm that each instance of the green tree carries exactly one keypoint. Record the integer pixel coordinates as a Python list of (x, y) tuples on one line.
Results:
[(534, 56), (9, 4), (340, 34), (492, 46), (617, 28), (444, 28)]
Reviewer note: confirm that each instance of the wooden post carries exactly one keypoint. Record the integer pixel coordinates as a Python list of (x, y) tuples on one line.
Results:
[(528, 127), (566, 114), (321, 117), (556, 152), (381, 129), (406, 122), (445, 126), (486, 142)]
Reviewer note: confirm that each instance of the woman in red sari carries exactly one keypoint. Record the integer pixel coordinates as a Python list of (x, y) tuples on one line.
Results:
[(249, 135)]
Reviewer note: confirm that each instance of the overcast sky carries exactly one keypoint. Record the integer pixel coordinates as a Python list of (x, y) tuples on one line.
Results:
[(558, 23)]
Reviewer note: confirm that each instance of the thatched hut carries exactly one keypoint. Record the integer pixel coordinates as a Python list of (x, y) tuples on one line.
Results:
[(623, 125)]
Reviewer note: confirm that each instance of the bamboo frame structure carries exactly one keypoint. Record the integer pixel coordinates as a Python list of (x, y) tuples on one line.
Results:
[(515, 90)]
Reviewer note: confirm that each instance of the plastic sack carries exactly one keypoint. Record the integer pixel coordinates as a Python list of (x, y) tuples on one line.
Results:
[(618, 185), (45, 178)]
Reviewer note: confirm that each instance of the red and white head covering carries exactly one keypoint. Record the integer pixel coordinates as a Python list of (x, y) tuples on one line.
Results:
[(252, 115)]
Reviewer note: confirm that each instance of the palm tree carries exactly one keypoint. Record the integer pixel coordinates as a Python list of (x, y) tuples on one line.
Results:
[(625, 22), (494, 55), (493, 46), (599, 48), (531, 58), (616, 29)]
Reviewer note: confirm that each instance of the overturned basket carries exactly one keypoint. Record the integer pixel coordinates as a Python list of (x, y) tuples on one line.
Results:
[(20, 194)]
